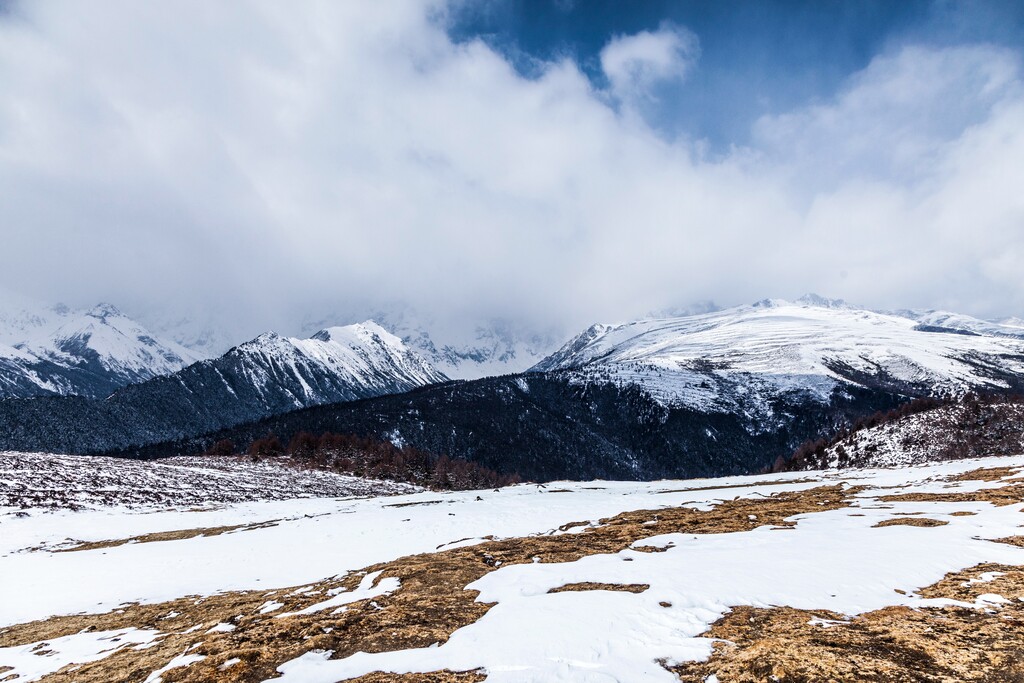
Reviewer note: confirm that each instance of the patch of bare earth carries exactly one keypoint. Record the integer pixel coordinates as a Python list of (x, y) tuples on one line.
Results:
[(1009, 494), (435, 677), (762, 486), (893, 644), (160, 536), (987, 474), (429, 606), (912, 521), (591, 586)]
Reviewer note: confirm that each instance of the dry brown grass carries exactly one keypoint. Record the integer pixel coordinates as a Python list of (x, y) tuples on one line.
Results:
[(1010, 494), (434, 677), (1012, 540), (584, 586), (912, 521), (894, 644), (160, 536), (724, 487), (431, 604), (987, 474)]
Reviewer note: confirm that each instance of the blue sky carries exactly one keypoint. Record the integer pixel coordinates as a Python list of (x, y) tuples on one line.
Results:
[(261, 163), (756, 56)]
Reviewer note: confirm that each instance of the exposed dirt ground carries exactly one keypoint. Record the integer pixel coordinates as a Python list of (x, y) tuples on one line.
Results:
[(894, 644)]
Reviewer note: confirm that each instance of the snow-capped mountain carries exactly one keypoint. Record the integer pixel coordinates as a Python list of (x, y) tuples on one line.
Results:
[(742, 359), (266, 376), (464, 350), (335, 364), (56, 350)]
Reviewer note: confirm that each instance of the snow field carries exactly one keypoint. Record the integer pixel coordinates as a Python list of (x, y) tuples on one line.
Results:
[(835, 560)]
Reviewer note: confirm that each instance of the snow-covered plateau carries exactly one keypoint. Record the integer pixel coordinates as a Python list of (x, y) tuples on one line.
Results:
[(919, 569)]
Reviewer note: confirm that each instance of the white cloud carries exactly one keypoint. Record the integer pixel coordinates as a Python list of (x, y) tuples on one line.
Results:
[(636, 64), (270, 163)]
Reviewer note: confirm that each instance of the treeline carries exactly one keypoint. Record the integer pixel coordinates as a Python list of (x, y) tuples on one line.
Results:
[(372, 458), (976, 414)]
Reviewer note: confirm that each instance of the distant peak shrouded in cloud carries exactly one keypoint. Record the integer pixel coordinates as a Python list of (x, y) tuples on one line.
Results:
[(256, 165)]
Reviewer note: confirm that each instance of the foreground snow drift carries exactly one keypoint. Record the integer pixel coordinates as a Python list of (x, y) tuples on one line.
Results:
[(566, 597)]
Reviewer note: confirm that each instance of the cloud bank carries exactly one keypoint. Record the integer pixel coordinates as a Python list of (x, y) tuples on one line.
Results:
[(262, 163)]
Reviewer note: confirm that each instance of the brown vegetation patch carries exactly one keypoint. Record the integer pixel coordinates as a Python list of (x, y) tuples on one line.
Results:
[(986, 474), (414, 503), (912, 521), (1011, 540), (962, 513), (433, 677), (759, 485), (891, 644), (590, 586), (1005, 495), (159, 536), (430, 605)]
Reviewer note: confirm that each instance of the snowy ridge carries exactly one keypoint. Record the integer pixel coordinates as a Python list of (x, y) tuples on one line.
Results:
[(965, 324), (464, 350), (743, 357), (336, 363)]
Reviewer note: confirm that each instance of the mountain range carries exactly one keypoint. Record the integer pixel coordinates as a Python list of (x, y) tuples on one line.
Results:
[(700, 395), (266, 376), (717, 392)]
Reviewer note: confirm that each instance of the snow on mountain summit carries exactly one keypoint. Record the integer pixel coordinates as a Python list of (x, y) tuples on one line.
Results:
[(117, 343), (744, 357), (272, 373), (89, 353), (464, 348)]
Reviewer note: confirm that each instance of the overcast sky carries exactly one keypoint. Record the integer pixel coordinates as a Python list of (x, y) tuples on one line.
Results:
[(269, 162)]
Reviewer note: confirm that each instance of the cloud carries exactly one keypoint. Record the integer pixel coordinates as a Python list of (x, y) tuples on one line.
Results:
[(636, 64), (894, 119), (258, 165)]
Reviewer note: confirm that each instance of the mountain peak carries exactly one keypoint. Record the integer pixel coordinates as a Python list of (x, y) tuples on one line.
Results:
[(356, 332), (103, 311), (812, 299)]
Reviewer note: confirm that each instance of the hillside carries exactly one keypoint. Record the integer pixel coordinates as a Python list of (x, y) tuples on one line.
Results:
[(545, 426), (922, 431)]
